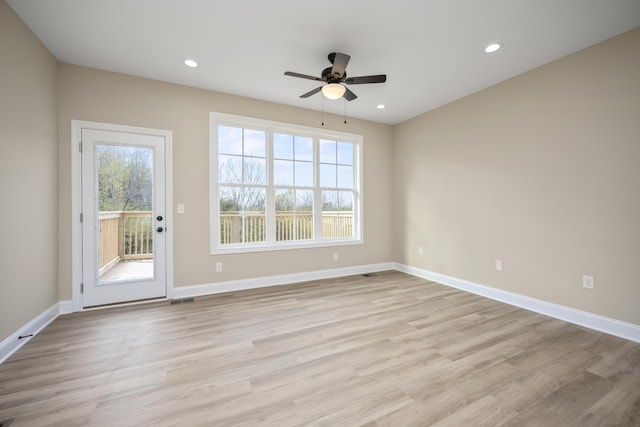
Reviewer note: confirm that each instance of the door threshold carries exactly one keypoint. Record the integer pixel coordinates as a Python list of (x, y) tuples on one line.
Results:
[(125, 304)]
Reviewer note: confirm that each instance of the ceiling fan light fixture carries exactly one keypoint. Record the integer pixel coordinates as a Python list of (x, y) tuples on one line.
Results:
[(333, 90)]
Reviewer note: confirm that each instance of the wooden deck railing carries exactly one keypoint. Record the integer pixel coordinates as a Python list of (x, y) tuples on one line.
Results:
[(289, 229), (288, 226), (128, 235), (124, 235), (336, 226)]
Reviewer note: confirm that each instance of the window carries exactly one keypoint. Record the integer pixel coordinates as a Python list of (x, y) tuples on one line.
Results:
[(281, 186)]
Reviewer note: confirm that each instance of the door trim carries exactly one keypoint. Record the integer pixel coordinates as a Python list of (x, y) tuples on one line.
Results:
[(76, 201)]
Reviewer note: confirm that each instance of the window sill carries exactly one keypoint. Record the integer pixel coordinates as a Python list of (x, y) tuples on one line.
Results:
[(241, 249)]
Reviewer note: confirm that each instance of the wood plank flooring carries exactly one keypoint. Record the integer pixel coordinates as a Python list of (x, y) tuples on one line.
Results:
[(385, 350)]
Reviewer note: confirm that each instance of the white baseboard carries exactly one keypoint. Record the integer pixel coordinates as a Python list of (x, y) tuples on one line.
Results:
[(66, 307), (13, 342), (589, 320), (285, 279), (599, 323)]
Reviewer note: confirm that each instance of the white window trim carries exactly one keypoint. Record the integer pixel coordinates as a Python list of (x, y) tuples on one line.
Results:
[(215, 119)]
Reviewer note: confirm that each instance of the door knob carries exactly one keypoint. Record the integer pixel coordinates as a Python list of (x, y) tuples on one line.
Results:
[(159, 229), (159, 217)]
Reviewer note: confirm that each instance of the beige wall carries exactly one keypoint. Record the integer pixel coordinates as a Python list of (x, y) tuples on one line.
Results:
[(542, 172), (89, 94), (28, 175)]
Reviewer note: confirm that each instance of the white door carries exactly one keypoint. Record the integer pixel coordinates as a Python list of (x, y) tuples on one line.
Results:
[(123, 210)]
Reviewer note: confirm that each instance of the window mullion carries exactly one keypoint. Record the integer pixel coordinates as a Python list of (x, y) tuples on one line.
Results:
[(270, 203), (270, 192), (357, 191), (317, 192)]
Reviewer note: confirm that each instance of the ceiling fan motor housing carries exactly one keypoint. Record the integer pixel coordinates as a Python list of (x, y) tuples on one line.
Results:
[(328, 77)]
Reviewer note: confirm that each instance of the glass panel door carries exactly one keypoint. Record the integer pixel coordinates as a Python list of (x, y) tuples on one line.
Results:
[(123, 209)]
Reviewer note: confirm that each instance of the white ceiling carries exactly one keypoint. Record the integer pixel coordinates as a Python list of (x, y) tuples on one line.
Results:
[(431, 50)]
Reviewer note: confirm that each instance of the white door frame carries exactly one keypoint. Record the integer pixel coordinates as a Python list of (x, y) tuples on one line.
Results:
[(76, 201)]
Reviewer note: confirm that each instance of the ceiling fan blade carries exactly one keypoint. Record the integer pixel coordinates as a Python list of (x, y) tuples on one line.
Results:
[(380, 78), (348, 95), (311, 92), (340, 62), (302, 76)]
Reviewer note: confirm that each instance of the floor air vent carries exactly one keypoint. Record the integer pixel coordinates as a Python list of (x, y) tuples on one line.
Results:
[(173, 302)]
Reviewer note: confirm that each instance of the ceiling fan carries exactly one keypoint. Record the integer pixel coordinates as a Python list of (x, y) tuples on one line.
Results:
[(334, 77)]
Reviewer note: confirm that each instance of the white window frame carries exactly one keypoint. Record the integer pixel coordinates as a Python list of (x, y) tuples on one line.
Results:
[(270, 244)]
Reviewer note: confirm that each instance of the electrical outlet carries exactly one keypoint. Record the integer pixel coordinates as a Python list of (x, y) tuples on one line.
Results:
[(420, 250), (498, 265), (588, 282), (218, 267), (335, 256)]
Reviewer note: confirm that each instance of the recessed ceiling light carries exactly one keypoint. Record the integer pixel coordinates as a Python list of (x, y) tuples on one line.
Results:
[(381, 106), (492, 48), (190, 63)]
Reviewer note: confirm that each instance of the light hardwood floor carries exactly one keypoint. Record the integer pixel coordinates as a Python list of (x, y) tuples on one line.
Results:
[(385, 350)]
